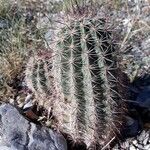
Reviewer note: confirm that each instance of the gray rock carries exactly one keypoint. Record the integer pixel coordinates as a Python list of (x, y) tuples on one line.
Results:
[(143, 98), (132, 127), (4, 24), (17, 133)]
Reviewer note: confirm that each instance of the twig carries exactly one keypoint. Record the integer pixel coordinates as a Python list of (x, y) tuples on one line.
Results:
[(108, 143)]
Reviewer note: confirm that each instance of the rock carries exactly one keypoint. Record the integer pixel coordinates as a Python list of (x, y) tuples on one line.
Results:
[(143, 98), (140, 142), (132, 127), (17, 133), (139, 106), (142, 103), (4, 24)]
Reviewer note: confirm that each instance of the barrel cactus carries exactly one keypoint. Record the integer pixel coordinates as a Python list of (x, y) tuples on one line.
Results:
[(39, 79), (88, 88)]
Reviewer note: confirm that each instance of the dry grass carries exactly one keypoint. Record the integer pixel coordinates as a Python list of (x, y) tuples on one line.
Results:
[(17, 39), (11, 64)]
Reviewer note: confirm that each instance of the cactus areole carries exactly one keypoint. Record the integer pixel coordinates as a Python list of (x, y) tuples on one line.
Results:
[(88, 85)]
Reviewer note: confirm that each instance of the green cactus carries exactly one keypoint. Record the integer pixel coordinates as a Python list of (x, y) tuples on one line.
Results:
[(38, 77), (87, 74), (89, 89)]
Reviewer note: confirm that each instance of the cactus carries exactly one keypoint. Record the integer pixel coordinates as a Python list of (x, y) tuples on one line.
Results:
[(88, 86), (87, 73), (39, 79)]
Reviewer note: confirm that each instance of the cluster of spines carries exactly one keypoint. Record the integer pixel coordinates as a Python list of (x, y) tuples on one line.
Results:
[(87, 73)]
